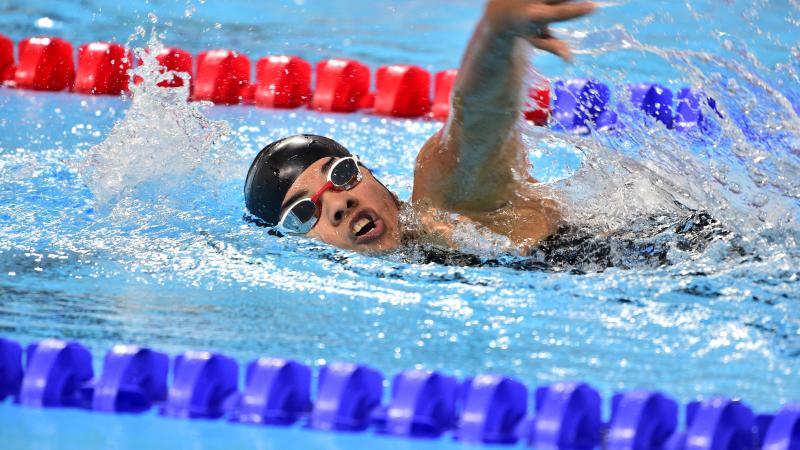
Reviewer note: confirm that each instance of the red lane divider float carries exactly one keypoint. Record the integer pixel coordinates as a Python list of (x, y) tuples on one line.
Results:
[(45, 64), (441, 99), (102, 69), (282, 82), (342, 85), (7, 66), (175, 60), (223, 76), (538, 108), (402, 91)]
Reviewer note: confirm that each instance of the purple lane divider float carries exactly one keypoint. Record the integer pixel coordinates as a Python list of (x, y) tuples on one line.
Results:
[(641, 420), (655, 100), (716, 424), (277, 391), (783, 430), (689, 112), (10, 368), (578, 103), (346, 397), (55, 374), (133, 379), (582, 103), (568, 416), (423, 404), (720, 424), (483, 409), (493, 407), (202, 385)]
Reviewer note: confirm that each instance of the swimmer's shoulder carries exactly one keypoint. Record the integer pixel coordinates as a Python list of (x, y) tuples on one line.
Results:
[(431, 169)]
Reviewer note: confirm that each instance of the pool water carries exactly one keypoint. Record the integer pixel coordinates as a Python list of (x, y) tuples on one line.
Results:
[(121, 221)]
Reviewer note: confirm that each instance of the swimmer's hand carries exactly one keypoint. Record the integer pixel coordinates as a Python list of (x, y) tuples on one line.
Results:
[(530, 19)]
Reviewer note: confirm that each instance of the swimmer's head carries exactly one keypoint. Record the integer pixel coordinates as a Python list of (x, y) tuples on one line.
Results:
[(362, 216)]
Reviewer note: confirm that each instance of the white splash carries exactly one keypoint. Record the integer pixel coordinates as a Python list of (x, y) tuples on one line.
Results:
[(163, 144), (734, 172)]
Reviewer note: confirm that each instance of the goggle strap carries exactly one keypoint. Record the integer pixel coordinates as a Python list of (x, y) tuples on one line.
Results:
[(315, 198)]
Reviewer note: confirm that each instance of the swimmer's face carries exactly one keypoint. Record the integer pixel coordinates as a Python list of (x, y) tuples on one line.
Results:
[(363, 219)]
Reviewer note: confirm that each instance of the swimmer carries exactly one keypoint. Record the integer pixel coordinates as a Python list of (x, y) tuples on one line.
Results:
[(475, 169)]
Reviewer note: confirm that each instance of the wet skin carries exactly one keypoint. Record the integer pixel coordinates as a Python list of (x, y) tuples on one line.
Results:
[(476, 166), (363, 219)]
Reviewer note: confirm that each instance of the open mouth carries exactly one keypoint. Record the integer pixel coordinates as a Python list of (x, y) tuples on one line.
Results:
[(366, 226), (363, 226)]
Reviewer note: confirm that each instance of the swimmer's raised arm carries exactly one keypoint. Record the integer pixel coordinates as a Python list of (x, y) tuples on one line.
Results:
[(475, 164), (475, 168)]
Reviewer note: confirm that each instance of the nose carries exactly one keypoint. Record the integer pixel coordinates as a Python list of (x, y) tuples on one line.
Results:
[(337, 205)]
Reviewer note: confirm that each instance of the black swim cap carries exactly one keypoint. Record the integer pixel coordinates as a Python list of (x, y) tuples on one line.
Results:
[(277, 166)]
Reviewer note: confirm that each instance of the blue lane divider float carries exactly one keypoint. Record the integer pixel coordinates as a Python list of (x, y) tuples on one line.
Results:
[(781, 431), (204, 385), (133, 380), (277, 391), (568, 415), (55, 374), (581, 104), (655, 100), (493, 406), (10, 368), (641, 420), (346, 398), (578, 103), (423, 404)]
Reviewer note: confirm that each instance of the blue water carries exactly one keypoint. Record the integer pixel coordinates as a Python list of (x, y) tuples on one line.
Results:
[(141, 240)]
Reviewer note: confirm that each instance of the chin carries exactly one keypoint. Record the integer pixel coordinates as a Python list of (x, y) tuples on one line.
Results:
[(383, 246)]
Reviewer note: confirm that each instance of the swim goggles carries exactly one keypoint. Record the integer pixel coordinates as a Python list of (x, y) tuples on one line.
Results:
[(301, 216)]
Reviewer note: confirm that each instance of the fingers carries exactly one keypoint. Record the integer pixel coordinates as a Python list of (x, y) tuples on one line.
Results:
[(549, 11), (559, 11), (552, 45)]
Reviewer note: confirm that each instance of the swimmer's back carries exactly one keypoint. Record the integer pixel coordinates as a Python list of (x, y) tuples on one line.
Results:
[(572, 248)]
